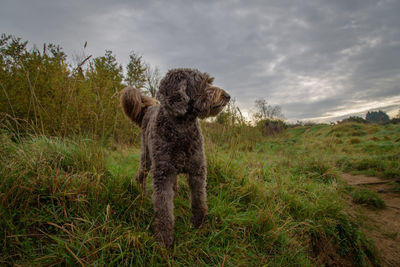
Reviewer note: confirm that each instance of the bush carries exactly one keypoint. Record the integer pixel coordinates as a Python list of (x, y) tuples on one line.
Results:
[(271, 127), (63, 100), (395, 121), (379, 117)]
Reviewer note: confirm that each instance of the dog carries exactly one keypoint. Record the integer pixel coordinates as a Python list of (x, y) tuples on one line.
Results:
[(172, 142)]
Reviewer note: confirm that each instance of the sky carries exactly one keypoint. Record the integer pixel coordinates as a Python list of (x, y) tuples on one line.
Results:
[(319, 60)]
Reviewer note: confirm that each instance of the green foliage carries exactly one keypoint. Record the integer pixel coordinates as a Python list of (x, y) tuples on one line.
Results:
[(41, 93), (27, 79), (105, 73), (379, 117), (135, 71), (368, 197)]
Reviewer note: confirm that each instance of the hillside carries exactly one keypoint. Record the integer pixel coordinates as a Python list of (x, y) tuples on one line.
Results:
[(273, 201)]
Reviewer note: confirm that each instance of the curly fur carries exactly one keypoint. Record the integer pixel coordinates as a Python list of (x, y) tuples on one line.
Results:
[(172, 141)]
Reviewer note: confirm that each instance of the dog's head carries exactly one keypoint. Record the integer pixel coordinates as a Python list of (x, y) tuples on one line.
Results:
[(190, 93)]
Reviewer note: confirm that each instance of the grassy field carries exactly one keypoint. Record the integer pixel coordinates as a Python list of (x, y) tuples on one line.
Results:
[(275, 201)]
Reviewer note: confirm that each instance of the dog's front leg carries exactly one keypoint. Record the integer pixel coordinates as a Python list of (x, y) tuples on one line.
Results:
[(198, 193), (163, 201)]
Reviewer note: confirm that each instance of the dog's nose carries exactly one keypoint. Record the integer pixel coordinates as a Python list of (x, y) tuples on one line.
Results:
[(227, 97)]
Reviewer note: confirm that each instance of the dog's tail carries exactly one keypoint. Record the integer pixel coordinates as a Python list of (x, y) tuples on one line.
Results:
[(135, 104)]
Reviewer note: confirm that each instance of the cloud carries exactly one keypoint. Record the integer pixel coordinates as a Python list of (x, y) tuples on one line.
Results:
[(318, 59)]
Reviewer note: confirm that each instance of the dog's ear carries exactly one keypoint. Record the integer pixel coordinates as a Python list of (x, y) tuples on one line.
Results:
[(173, 97)]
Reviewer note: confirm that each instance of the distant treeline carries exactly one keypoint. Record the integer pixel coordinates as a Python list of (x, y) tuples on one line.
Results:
[(378, 117)]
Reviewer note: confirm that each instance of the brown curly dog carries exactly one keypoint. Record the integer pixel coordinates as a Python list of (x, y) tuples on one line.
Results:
[(172, 141)]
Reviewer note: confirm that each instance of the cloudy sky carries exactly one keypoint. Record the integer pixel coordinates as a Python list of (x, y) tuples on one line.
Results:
[(319, 60)]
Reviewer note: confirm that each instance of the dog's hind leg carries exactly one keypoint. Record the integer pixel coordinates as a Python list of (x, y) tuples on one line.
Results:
[(198, 194), (145, 164)]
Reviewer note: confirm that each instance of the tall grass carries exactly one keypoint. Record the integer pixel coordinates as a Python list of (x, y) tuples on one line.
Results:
[(74, 202)]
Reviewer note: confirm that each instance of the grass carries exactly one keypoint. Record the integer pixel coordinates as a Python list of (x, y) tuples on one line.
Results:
[(273, 201), (368, 197), (391, 235)]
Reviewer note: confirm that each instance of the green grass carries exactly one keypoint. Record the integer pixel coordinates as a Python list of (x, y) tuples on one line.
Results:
[(368, 197), (391, 235), (273, 201), (356, 148)]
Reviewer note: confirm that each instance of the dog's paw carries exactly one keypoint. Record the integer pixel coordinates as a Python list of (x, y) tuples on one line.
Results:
[(165, 239), (199, 215), (197, 221)]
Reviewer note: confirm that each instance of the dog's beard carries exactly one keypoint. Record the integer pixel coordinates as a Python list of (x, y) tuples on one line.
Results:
[(218, 101), (217, 109), (212, 103)]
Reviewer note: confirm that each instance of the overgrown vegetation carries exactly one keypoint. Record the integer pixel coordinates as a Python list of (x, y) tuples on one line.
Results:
[(42, 92), (68, 158), (368, 197), (71, 201)]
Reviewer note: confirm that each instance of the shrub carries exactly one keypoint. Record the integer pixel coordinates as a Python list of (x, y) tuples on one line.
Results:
[(379, 117), (271, 127), (395, 121), (63, 100)]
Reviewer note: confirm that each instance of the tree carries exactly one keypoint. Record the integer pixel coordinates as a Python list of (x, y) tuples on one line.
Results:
[(153, 78), (105, 72), (377, 117), (266, 111), (135, 71), (32, 82)]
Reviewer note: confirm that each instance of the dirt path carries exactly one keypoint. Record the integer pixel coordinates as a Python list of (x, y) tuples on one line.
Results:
[(383, 226)]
